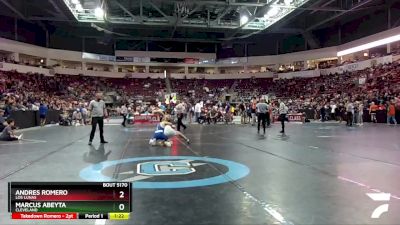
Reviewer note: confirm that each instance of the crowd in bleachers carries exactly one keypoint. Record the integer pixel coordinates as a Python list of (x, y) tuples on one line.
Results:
[(62, 92), (65, 92)]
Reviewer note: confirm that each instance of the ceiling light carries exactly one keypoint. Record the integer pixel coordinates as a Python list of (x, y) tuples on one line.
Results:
[(369, 45), (244, 19), (75, 2), (287, 2), (272, 12), (99, 13), (244, 15)]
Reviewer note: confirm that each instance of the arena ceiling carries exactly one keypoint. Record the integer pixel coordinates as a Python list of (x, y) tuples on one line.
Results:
[(209, 21)]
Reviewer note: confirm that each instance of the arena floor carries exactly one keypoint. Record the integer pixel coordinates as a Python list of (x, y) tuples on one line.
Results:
[(315, 174)]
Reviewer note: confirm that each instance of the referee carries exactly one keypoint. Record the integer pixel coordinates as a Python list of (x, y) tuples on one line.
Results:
[(262, 110), (98, 111), (180, 109)]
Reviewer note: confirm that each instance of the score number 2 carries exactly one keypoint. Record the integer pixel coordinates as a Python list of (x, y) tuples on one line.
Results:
[(121, 195)]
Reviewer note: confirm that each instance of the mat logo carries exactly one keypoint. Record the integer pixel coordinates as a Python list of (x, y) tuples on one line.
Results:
[(148, 168), (381, 197), (162, 168)]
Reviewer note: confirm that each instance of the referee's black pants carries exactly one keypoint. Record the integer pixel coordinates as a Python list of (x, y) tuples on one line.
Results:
[(262, 118), (180, 123), (95, 121), (124, 119), (349, 119), (283, 118)]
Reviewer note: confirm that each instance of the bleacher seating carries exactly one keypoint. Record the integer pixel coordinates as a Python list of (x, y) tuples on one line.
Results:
[(21, 91)]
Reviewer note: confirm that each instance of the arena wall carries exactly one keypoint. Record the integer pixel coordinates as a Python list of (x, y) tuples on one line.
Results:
[(97, 62)]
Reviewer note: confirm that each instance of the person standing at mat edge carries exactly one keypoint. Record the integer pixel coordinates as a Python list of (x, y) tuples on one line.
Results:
[(124, 113), (350, 113), (8, 132), (283, 110), (43, 113), (262, 110), (253, 111), (98, 111), (391, 114), (179, 110)]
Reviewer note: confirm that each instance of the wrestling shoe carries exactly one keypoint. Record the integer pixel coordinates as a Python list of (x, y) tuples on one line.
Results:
[(152, 142)]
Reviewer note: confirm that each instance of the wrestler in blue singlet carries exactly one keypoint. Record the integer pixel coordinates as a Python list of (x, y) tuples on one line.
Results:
[(159, 133)]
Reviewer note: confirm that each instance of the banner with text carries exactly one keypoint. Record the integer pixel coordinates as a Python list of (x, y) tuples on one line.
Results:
[(301, 74)]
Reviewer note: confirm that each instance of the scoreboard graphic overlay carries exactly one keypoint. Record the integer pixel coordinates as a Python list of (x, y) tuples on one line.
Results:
[(70, 200)]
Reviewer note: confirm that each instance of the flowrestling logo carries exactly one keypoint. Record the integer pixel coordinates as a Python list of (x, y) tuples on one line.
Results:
[(379, 197), (168, 171)]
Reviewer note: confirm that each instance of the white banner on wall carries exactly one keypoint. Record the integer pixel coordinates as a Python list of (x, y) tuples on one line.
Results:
[(382, 60), (99, 57), (141, 59), (123, 59), (24, 69), (307, 73)]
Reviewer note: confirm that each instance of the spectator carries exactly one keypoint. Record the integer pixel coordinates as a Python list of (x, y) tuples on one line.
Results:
[(333, 111), (212, 115), (360, 114), (35, 107), (191, 112), (65, 119), (8, 132), (3, 122), (197, 111), (323, 113), (355, 113), (77, 117), (372, 111), (342, 113), (253, 111), (242, 111), (391, 113), (84, 113), (43, 113), (124, 112), (350, 112), (283, 110)]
